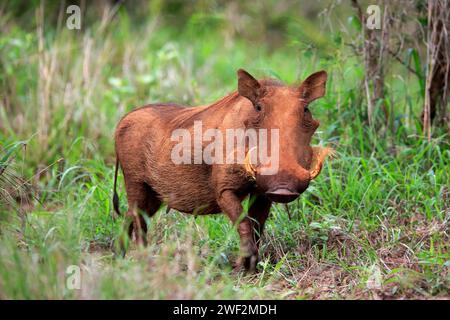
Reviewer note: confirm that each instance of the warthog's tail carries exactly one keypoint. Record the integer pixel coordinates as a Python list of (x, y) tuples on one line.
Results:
[(115, 196)]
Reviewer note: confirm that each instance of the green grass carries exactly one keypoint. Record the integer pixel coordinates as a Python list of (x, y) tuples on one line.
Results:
[(373, 225)]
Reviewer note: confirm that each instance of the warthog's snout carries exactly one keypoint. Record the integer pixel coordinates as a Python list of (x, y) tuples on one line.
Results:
[(285, 193)]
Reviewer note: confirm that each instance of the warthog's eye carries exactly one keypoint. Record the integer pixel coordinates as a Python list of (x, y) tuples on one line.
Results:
[(307, 118), (258, 107)]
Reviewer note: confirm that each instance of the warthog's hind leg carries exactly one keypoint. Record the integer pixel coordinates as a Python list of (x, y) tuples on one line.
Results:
[(142, 200)]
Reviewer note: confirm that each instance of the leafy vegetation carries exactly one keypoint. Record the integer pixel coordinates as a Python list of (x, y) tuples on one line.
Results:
[(373, 225)]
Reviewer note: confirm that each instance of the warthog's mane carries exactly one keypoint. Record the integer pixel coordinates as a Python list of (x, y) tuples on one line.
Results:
[(187, 115)]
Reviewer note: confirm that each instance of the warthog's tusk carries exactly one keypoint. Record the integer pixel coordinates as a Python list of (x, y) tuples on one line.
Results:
[(249, 168), (319, 156)]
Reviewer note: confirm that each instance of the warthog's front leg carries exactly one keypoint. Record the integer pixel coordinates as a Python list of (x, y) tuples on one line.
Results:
[(259, 212), (232, 207)]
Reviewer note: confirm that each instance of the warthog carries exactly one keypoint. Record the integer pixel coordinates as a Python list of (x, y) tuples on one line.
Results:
[(146, 149)]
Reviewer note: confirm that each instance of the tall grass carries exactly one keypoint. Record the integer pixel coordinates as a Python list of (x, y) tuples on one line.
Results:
[(374, 224)]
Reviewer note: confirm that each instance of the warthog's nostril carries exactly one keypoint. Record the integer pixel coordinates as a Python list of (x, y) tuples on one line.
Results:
[(282, 195)]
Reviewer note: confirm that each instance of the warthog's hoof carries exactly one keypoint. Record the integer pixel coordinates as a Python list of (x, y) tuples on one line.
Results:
[(250, 263), (247, 264)]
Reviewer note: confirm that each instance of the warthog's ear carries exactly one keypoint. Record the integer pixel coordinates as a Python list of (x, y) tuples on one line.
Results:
[(314, 86), (248, 86)]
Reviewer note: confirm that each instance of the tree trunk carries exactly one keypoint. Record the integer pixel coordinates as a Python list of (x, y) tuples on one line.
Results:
[(374, 53), (438, 67)]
